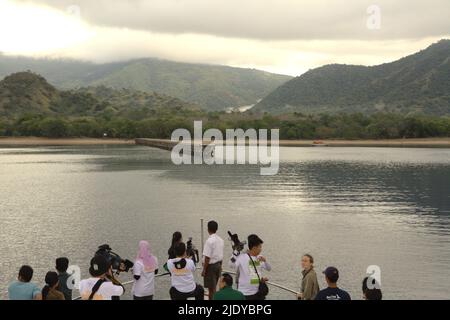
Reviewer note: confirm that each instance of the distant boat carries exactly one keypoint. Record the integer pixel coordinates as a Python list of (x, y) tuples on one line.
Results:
[(319, 143)]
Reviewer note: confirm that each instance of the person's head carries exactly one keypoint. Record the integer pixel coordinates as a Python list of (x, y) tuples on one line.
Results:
[(226, 281), (144, 249), (99, 266), (176, 237), (180, 249), (212, 227), (372, 293), (144, 255), (51, 279), (62, 264), (25, 274), (331, 275), (255, 244), (307, 262)]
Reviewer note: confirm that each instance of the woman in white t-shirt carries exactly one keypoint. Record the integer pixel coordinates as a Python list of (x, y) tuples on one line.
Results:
[(144, 271)]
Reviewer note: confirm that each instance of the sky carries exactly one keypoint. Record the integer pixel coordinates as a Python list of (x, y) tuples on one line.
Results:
[(281, 36)]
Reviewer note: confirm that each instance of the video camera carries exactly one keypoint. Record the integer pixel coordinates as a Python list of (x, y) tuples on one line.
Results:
[(117, 263), (237, 244), (192, 252)]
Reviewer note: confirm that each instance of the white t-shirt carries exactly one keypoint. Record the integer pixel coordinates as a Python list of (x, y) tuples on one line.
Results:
[(248, 279), (106, 291), (182, 279), (145, 286), (213, 249)]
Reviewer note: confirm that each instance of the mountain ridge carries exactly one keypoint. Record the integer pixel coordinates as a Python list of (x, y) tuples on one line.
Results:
[(27, 92), (416, 83), (214, 87)]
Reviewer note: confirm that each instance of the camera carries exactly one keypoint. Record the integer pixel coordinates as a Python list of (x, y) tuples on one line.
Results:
[(117, 263), (192, 252), (237, 244)]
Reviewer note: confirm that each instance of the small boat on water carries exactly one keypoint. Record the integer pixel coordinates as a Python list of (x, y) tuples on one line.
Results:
[(319, 143)]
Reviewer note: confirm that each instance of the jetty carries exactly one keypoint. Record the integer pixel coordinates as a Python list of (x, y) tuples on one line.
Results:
[(167, 144), (157, 143)]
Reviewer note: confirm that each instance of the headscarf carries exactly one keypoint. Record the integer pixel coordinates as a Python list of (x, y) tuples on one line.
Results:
[(145, 256)]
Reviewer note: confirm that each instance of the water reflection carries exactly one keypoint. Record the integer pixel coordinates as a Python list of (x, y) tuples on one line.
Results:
[(351, 207)]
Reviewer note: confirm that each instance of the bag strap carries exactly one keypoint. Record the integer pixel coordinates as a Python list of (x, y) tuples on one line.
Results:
[(254, 266), (96, 287)]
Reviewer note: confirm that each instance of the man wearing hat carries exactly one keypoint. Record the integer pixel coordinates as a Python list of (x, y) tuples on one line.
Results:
[(332, 292), (98, 287)]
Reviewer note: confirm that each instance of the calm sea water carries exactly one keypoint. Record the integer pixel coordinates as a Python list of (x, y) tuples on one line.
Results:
[(349, 207)]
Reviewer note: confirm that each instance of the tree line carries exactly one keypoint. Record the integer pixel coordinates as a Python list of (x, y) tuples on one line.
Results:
[(292, 126)]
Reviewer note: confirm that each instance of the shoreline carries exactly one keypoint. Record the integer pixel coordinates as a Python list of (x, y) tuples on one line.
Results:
[(393, 143), (33, 142), (386, 143)]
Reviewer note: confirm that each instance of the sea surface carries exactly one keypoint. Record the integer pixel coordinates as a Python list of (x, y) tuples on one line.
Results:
[(348, 207)]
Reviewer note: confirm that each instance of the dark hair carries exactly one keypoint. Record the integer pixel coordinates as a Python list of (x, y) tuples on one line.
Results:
[(213, 226), (62, 264), (332, 278), (254, 241), (177, 236), (311, 259), (179, 249), (371, 294), (228, 279), (26, 273), (51, 279)]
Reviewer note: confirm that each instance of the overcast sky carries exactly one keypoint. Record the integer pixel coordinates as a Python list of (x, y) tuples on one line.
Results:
[(284, 36)]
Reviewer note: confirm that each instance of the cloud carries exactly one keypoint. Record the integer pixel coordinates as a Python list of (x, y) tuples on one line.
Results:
[(269, 19), (63, 29)]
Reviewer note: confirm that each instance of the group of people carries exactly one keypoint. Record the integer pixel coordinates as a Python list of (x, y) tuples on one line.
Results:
[(249, 267), (56, 284)]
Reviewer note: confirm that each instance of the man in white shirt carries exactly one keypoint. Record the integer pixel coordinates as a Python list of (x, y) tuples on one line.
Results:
[(182, 272), (98, 287), (249, 267), (212, 259)]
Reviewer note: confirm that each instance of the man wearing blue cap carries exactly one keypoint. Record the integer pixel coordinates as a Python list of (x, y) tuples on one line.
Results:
[(332, 292)]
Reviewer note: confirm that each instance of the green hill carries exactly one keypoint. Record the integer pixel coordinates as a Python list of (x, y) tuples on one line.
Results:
[(417, 83), (212, 87), (27, 92)]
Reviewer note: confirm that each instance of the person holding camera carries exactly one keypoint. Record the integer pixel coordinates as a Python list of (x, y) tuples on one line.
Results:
[(182, 270), (212, 259), (144, 271), (98, 287), (177, 237), (249, 267)]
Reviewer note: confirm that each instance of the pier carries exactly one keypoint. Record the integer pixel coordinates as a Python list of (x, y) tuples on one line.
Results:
[(157, 143), (166, 144)]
